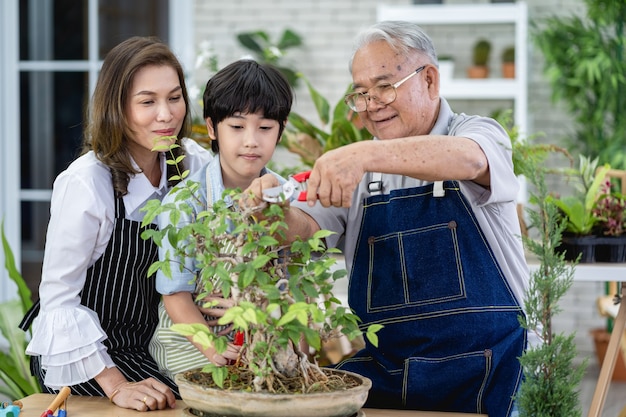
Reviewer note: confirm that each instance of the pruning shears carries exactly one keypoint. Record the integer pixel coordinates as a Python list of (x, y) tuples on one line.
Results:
[(293, 189)]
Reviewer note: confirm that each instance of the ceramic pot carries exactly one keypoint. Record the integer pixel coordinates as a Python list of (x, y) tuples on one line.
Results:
[(208, 402), (601, 341)]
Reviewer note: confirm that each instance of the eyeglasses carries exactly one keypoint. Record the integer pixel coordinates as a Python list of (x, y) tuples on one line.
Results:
[(382, 93)]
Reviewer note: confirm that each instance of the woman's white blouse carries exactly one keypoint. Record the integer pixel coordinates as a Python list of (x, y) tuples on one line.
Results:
[(67, 335)]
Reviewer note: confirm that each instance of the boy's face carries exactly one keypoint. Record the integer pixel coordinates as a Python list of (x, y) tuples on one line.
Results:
[(246, 143)]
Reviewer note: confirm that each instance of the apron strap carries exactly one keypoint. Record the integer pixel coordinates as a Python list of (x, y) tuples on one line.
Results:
[(375, 186)]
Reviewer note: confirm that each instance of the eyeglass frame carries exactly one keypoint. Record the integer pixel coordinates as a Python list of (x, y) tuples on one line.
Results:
[(349, 98)]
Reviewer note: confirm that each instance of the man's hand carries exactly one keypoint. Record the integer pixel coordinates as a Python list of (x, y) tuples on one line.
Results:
[(335, 176)]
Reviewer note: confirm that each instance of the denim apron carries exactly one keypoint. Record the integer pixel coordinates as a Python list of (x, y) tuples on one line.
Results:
[(451, 337)]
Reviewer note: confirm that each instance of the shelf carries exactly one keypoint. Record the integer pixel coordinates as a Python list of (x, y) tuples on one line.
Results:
[(497, 89), (437, 14)]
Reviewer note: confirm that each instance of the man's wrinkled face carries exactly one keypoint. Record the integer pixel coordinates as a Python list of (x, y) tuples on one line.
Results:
[(414, 110)]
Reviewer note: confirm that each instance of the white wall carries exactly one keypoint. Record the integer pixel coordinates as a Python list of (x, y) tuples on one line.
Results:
[(328, 27)]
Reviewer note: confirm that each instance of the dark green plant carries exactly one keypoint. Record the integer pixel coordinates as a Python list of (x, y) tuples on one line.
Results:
[(508, 54), (551, 380), (310, 141), (481, 52), (585, 64), (17, 381), (265, 49)]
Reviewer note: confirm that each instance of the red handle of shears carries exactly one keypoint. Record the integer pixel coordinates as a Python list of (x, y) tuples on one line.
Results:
[(302, 177)]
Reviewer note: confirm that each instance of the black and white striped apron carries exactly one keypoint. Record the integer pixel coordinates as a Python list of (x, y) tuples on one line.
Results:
[(118, 289)]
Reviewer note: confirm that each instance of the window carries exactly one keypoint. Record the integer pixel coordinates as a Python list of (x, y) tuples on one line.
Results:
[(60, 49)]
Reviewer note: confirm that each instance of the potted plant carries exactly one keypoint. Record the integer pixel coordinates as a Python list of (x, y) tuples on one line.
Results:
[(610, 211), (282, 296), (578, 212), (480, 60), (508, 62), (446, 68)]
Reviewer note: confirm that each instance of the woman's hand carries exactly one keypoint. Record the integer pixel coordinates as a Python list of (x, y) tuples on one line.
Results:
[(145, 395)]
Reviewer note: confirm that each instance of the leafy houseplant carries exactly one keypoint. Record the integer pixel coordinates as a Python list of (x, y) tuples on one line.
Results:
[(585, 63), (17, 381), (261, 45), (282, 294), (480, 59), (309, 141), (578, 212)]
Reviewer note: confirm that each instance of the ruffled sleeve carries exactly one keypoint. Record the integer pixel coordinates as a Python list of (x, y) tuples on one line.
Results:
[(67, 335), (69, 343)]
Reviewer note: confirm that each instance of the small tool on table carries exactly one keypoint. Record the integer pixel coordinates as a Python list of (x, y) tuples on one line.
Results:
[(56, 403)]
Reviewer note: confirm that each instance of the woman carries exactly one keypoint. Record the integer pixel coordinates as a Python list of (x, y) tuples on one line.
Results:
[(98, 306)]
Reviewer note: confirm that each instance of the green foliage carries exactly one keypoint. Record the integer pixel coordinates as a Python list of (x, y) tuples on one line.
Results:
[(264, 49), (578, 210), (551, 381), (282, 293), (482, 49), (508, 54), (586, 67), (14, 364), (310, 141)]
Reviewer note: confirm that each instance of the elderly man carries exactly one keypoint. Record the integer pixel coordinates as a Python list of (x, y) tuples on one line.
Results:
[(426, 216)]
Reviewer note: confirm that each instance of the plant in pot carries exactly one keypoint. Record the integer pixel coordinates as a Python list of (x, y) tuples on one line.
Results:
[(480, 60), (446, 68), (282, 300), (577, 211), (508, 62), (610, 211)]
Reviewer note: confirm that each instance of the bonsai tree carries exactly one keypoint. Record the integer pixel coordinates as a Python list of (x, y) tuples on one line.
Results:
[(585, 63), (282, 293)]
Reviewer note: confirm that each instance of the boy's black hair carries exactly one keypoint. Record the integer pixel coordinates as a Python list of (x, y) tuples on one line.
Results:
[(246, 86)]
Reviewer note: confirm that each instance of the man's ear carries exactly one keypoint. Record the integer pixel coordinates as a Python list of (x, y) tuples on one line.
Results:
[(210, 128), (432, 80)]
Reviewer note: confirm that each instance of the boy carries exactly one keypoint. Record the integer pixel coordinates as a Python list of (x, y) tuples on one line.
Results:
[(246, 105)]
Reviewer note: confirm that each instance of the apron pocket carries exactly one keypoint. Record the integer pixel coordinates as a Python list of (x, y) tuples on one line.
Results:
[(399, 261), (453, 383)]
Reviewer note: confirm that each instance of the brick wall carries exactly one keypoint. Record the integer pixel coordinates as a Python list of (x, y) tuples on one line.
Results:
[(328, 27)]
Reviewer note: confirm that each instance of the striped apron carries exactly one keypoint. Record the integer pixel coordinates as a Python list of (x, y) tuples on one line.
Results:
[(118, 289), (451, 337)]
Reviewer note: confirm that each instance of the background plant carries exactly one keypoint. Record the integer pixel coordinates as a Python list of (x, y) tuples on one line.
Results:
[(309, 140), (551, 380), (586, 67), (282, 293), (17, 381), (260, 43)]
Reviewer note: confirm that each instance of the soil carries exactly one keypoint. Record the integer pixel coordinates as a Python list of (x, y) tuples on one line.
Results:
[(241, 379)]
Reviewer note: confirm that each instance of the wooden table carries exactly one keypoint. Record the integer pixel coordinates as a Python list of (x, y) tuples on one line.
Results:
[(78, 406)]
